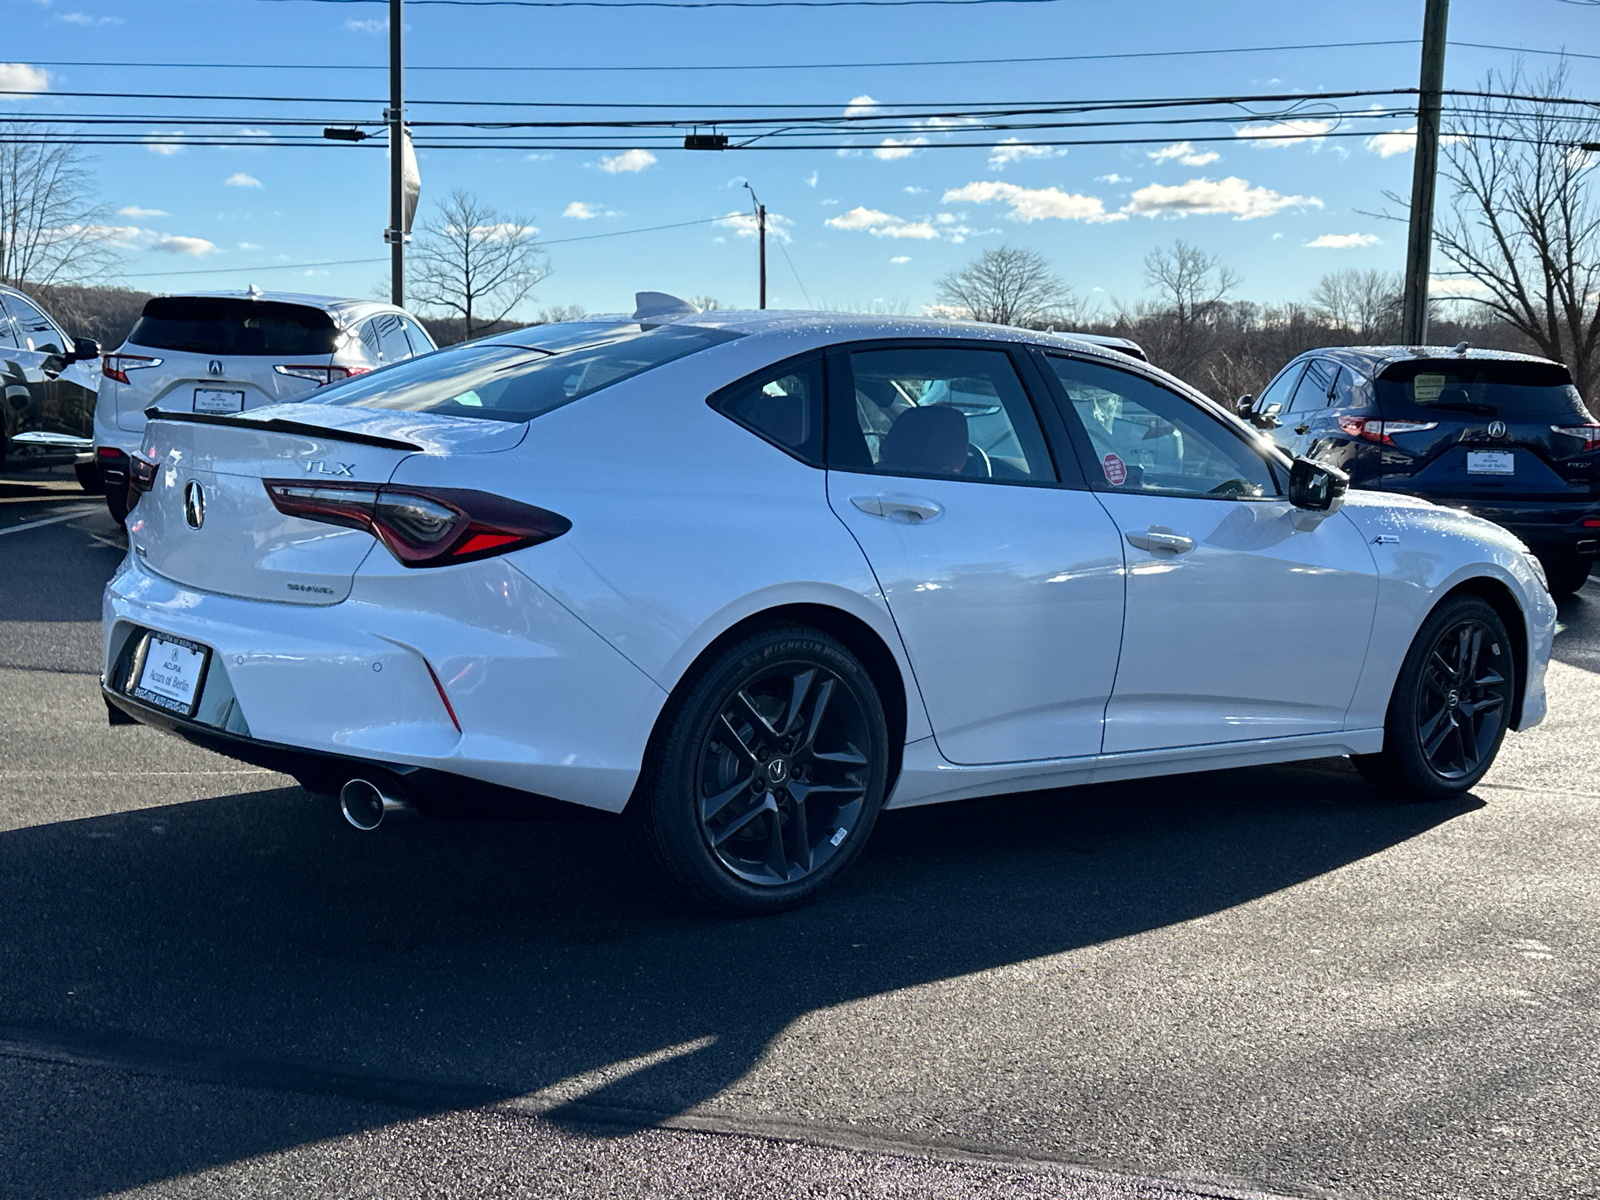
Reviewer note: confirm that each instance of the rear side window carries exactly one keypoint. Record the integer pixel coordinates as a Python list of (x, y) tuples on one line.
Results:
[(782, 404), (1513, 391), (1315, 386), (514, 383), (392, 344), (224, 325)]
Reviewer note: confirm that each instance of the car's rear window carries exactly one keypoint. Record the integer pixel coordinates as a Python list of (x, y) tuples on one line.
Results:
[(1509, 390), (223, 325), (516, 383)]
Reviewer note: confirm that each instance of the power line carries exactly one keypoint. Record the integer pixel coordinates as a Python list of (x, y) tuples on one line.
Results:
[(675, 3)]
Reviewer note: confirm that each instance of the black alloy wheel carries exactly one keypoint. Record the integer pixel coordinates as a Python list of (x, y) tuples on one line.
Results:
[(771, 774), (1451, 706)]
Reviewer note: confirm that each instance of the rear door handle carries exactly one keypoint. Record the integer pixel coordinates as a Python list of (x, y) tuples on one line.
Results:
[(1159, 537), (894, 508)]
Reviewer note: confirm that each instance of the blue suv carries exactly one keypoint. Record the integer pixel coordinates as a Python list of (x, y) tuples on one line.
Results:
[(1505, 436)]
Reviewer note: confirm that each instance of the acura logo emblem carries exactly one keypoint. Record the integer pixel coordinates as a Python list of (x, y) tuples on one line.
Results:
[(1497, 429), (214, 367), (194, 504)]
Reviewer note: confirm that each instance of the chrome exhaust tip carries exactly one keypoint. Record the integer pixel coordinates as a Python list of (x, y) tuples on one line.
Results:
[(365, 804)]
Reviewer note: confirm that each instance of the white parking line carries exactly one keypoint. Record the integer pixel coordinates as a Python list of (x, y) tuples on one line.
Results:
[(48, 521)]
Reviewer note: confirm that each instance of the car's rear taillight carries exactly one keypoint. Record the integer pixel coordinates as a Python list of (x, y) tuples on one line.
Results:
[(1588, 434), (422, 527), (1382, 431), (117, 366), (321, 376)]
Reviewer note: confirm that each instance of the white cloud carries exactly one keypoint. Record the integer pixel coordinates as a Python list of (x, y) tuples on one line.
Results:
[(20, 77), (1448, 289), (537, 157), (860, 106), (133, 210), (87, 21), (1012, 150), (503, 230), (900, 259), (195, 247), (1343, 241), (1185, 153), (826, 203), (1283, 133), (912, 189), (240, 179), (895, 148), (580, 210), (165, 144), (1113, 178), (1034, 204), (1387, 145), (367, 25), (628, 162), (744, 225), (251, 246), (1231, 196), (811, 180), (882, 224)]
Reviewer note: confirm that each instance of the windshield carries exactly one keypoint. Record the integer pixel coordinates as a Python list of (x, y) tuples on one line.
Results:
[(223, 325), (1511, 390), (515, 383)]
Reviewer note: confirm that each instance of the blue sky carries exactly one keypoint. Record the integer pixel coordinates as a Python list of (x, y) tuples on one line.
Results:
[(874, 225)]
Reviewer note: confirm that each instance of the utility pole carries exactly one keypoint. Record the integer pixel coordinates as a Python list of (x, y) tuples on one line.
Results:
[(1425, 173), (396, 233), (761, 236)]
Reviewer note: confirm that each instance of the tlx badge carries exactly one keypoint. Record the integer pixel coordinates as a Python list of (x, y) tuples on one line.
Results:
[(317, 466)]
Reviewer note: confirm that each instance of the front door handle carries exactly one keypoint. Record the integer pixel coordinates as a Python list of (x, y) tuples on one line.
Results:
[(1302, 428), (1159, 537), (895, 508)]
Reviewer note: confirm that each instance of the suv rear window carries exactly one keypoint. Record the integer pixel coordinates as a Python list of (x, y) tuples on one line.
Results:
[(221, 325), (1481, 387), (516, 383)]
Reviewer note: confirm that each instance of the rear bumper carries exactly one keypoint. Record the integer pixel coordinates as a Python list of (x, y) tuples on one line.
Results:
[(545, 706), (1548, 528)]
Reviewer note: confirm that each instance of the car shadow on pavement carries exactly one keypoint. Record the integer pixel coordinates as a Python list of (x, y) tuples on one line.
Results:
[(531, 959), (1577, 641)]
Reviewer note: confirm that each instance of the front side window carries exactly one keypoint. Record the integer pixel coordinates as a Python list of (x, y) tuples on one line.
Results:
[(1142, 437), (938, 411), (1276, 394), (34, 330), (421, 343), (7, 340), (514, 383), (782, 404)]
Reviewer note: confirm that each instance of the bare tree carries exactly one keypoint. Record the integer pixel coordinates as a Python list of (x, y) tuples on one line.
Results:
[(1009, 286), (558, 313), (52, 229), (705, 303), (1178, 328), (1522, 226), (474, 263), (1366, 303)]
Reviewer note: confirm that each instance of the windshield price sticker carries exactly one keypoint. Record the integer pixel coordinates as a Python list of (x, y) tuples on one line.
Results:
[(1116, 470), (1426, 388)]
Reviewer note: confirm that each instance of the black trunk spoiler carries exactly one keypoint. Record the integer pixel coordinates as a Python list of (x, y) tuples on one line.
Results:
[(279, 425)]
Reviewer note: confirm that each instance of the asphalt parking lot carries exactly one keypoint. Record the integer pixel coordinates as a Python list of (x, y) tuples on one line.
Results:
[(1265, 981)]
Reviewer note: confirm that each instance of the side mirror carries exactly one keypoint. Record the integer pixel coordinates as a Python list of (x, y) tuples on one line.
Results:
[(1264, 421), (1242, 404), (84, 349), (1317, 487)]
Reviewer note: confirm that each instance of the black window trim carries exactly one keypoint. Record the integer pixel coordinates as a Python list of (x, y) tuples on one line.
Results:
[(771, 370), (1275, 460), (839, 376)]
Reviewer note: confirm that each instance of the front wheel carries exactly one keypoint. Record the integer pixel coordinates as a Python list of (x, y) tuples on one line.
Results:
[(1451, 705), (769, 774)]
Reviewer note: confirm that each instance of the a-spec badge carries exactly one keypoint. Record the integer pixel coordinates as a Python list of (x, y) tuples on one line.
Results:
[(317, 466), (194, 504)]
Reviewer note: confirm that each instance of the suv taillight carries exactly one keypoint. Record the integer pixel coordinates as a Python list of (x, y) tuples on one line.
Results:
[(117, 366), (1588, 434), (1380, 431), (319, 375), (422, 527)]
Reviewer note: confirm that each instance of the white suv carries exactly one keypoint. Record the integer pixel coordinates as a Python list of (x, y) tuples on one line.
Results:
[(224, 352)]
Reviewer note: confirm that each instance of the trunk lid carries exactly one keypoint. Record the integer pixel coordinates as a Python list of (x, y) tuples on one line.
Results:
[(1485, 431), (212, 468)]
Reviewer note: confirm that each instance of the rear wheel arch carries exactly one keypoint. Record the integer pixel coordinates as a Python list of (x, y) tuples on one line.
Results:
[(851, 631), (1500, 598)]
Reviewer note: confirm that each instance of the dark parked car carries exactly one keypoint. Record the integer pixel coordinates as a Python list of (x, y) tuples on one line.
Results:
[(49, 381), (1505, 436)]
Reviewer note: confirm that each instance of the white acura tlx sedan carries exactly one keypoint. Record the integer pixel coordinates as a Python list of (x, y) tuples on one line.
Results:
[(747, 578)]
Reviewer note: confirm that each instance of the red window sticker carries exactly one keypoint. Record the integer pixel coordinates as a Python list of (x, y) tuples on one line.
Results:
[(1116, 470)]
